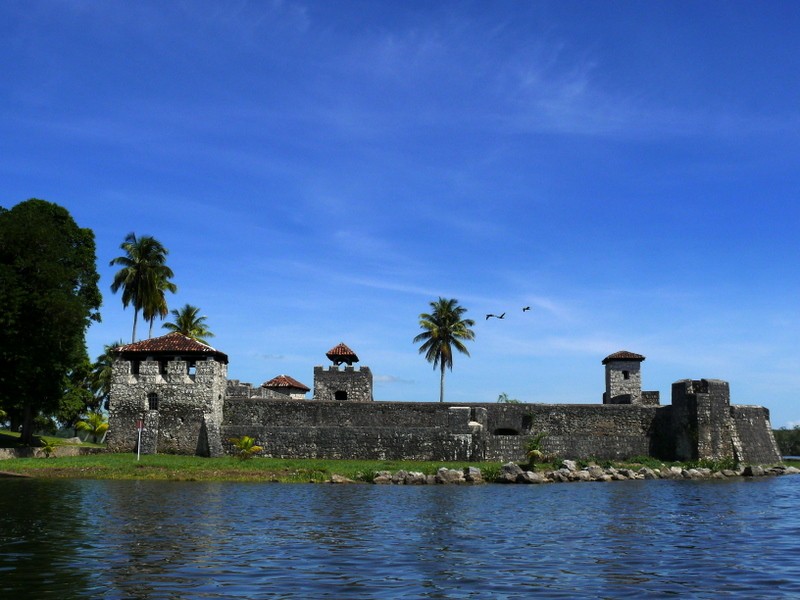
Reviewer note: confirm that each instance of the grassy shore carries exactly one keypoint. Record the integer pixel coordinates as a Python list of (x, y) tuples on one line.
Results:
[(195, 468)]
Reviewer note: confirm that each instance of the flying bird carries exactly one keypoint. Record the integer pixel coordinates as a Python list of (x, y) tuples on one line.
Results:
[(503, 316), (526, 308)]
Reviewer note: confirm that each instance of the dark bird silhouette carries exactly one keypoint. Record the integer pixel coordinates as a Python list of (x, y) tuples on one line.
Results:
[(526, 308), (503, 316)]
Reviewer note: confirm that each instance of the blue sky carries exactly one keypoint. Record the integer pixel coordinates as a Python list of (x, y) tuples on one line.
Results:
[(321, 171)]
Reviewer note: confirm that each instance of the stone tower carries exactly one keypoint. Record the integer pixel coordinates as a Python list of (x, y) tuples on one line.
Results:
[(623, 378), (176, 386), (349, 384)]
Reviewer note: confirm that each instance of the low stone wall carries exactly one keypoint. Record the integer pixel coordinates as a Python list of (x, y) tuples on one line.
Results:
[(58, 451), (754, 434)]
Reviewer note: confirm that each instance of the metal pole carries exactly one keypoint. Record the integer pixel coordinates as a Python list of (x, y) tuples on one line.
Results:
[(139, 426)]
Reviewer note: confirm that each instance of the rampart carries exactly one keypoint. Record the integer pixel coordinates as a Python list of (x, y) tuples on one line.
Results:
[(178, 389), (501, 432)]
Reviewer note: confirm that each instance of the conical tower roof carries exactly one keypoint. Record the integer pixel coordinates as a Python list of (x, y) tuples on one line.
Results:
[(341, 354)]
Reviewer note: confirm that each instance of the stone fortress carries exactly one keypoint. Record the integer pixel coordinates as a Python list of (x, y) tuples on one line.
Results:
[(179, 390)]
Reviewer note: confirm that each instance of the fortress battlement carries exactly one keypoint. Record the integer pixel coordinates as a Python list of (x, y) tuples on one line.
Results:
[(188, 406)]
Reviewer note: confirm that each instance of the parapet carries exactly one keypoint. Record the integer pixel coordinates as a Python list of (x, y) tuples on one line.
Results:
[(340, 369)]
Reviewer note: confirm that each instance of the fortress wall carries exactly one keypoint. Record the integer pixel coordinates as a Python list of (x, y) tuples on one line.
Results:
[(608, 431), (754, 432), (294, 413), (433, 431), (357, 443)]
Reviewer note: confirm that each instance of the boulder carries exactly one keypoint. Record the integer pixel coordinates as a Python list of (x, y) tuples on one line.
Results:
[(415, 478), (445, 475), (340, 479), (582, 475), (647, 473), (382, 477), (399, 477), (596, 473), (473, 475), (509, 473), (532, 477), (569, 465), (753, 471)]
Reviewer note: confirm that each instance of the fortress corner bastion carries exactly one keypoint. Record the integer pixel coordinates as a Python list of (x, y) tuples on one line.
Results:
[(180, 390)]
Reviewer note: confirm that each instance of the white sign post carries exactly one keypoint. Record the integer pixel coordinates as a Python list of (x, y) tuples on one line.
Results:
[(139, 426)]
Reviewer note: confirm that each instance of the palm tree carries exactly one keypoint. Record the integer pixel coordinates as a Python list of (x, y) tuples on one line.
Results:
[(95, 424), (159, 307), (444, 329), (189, 323), (102, 373), (144, 276)]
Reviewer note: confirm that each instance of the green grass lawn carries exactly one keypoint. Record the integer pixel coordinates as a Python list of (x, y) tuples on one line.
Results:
[(194, 468)]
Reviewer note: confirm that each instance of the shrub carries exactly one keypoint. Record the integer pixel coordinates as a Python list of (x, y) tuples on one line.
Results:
[(245, 447)]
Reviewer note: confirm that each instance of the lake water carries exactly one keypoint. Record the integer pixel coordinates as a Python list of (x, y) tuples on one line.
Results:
[(636, 539)]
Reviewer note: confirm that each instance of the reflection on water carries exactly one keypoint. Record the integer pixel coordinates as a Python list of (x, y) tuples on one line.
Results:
[(144, 539)]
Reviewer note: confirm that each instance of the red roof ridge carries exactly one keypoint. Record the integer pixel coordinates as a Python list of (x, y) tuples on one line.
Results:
[(623, 355), (285, 381), (171, 342)]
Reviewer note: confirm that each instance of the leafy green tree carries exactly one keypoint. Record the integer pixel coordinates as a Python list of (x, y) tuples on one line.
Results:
[(143, 278), (102, 373), (443, 330), (788, 440), (95, 425), (188, 322), (77, 396), (48, 298)]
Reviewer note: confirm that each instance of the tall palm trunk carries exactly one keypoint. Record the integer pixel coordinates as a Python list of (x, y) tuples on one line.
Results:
[(441, 384), (135, 318)]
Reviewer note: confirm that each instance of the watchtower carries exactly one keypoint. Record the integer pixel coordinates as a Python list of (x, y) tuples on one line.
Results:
[(175, 385), (349, 384), (623, 378)]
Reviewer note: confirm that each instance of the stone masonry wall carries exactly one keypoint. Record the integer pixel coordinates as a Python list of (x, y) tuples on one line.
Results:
[(434, 431), (355, 383), (185, 403), (754, 434), (620, 390)]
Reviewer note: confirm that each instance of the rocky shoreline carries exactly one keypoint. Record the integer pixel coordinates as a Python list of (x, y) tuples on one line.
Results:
[(567, 472)]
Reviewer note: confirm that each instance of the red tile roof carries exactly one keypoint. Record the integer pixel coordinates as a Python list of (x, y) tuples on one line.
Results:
[(623, 355), (284, 381), (341, 353), (172, 343)]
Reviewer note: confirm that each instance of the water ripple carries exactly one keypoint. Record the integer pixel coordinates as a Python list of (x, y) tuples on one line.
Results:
[(97, 539)]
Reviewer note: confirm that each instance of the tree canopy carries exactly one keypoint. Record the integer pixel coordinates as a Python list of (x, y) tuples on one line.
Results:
[(48, 298), (188, 321), (443, 330), (144, 278)]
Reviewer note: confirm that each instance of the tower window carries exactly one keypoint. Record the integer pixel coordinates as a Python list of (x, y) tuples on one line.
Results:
[(626, 374), (340, 395), (152, 401)]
